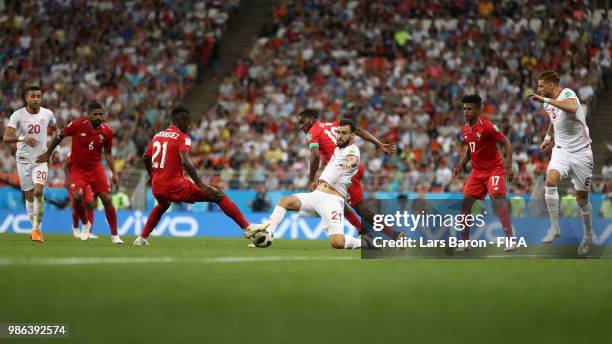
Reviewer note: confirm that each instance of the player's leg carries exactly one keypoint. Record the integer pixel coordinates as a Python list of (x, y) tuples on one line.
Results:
[(111, 216), (475, 188), (213, 194), (90, 207), (76, 230), (497, 191), (582, 173), (466, 208), (287, 203), (24, 171), (367, 215), (557, 169), (331, 210), (152, 221), (353, 219)]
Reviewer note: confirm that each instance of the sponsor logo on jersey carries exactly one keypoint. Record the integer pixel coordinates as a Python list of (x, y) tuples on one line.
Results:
[(568, 94), (478, 136), (101, 137), (309, 137), (83, 134)]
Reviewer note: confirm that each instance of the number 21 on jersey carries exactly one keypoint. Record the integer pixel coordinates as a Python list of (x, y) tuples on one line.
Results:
[(159, 148)]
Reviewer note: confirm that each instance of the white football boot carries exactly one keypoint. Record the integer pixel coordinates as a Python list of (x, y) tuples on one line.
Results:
[(551, 234)]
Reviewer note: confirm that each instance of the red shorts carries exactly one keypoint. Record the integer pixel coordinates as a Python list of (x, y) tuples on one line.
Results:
[(95, 178), (355, 190), (88, 195), (186, 191), (479, 183)]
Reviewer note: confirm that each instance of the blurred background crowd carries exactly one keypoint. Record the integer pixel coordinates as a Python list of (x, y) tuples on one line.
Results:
[(407, 70)]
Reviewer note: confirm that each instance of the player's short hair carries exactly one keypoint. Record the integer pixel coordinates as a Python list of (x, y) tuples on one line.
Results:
[(471, 99), (94, 105), (30, 88), (349, 122), (310, 113), (178, 112), (550, 76)]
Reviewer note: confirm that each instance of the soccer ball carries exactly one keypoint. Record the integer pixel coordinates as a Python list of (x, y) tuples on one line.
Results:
[(262, 239)]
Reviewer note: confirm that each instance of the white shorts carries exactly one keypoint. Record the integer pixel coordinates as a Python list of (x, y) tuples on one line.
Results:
[(32, 173), (328, 207), (578, 165)]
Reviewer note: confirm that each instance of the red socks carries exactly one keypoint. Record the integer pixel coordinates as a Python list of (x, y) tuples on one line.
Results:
[(230, 209), (153, 219), (111, 217), (353, 220), (503, 213), (75, 218)]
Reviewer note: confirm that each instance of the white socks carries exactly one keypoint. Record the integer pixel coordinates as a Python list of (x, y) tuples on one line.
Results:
[(39, 209), (277, 216), (30, 210), (350, 242), (552, 203), (586, 210)]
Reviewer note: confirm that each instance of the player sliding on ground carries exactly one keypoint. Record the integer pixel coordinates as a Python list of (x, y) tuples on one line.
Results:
[(90, 136), (571, 153), (327, 201), (28, 128), (165, 158), (489, 172), (322, 139)]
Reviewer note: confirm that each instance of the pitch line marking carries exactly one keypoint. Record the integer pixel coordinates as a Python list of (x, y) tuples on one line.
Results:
[(66, 261)]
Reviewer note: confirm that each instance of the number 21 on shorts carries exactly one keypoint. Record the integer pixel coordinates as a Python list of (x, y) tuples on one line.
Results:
[(336, 216)]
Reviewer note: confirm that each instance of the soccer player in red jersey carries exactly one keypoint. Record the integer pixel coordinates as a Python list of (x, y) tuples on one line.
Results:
[(89, 204), (90, 136), (322, 143), (165, 159), (489, 172)]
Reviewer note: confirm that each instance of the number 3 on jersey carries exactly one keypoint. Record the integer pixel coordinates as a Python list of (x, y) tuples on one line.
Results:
[(157, 148)]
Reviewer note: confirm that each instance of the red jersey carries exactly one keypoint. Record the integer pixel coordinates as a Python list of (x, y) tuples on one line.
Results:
[(323, 136), (482, 139), (165, 153), (87, 142)]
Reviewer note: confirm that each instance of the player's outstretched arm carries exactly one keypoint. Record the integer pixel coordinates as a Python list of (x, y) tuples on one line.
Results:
[(351, 162), (568, 105), (389, 148), (46, 155), (190, 169), (315, 162)]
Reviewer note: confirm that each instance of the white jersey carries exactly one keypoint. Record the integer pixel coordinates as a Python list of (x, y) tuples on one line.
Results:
[(571, 131), (335, 175), (32, 125)]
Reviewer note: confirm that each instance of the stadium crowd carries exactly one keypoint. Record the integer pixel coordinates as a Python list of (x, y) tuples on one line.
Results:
[(138, 57), (408, 74)]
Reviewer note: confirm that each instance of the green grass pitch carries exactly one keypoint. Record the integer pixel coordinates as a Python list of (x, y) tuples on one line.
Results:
[(209, 290)]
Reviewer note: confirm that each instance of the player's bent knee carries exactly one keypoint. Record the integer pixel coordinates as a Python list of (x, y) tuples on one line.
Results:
[(337, 241)]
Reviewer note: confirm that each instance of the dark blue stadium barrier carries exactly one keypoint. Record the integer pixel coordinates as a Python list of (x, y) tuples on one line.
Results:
[(189, 224)]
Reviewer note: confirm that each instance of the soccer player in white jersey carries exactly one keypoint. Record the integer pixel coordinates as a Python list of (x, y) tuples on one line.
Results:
[(327, 200), (28, 128), (571, 153)]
